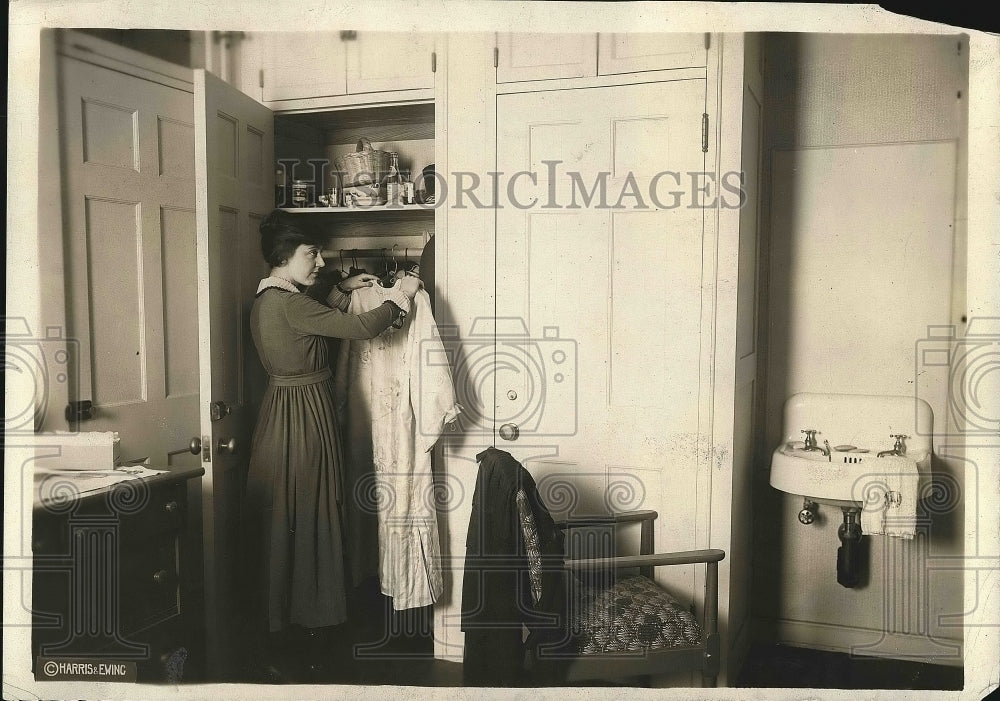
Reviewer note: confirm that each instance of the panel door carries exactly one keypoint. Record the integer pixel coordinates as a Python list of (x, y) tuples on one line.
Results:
[(304, 64), (530, 56), (382, 61), (636, 51), (600, 302), (129, 203), (235, 185)]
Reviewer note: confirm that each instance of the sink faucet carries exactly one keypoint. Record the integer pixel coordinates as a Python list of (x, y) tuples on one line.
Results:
[(898, 449), (810, 442)]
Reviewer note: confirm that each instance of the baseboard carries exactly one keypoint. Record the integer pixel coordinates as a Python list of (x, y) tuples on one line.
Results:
[(868, 642)]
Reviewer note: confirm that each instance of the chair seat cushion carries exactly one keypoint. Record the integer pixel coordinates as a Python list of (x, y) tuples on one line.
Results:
[(631, 615)]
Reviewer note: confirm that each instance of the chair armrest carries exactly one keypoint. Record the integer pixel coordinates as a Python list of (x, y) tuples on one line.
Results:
[(657, 559), (607, 519)]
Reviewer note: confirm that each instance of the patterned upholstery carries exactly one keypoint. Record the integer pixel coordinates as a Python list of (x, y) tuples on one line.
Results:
[(529, 530), (631, 615)]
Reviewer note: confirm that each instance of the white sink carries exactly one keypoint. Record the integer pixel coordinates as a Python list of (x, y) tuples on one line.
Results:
[(842, 479), (866, 421)]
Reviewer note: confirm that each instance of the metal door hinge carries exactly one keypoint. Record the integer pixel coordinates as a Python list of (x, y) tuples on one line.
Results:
[(708, 41), (260, 75), (496, 56), (704, 132), (434, 61)]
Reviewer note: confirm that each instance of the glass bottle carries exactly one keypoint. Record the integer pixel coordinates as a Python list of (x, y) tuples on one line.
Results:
[(393, 182)]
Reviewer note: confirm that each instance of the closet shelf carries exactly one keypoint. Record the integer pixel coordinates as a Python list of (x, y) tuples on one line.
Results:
[(411, 220), (372, 211)]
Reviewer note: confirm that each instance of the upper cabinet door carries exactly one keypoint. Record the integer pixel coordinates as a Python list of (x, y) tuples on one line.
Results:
[(545, 56), (300, 65), (387, 61), (634, 52)]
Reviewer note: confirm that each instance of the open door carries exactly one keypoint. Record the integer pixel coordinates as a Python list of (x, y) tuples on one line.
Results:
[(234, 154)]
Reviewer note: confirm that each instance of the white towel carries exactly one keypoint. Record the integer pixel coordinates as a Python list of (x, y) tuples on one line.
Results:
[(891, 498)]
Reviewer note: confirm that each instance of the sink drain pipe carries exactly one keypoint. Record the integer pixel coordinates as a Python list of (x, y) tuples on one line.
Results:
[(848, 554)]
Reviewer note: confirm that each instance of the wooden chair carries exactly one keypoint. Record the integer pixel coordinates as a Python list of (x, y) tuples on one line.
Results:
[(653, 654)]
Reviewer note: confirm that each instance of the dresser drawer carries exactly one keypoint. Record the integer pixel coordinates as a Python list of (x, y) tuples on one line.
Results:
[(158, 510), (150, 584)]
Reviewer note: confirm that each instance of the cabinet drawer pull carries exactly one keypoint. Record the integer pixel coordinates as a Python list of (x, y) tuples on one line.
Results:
[(170, 507), (160, 576)]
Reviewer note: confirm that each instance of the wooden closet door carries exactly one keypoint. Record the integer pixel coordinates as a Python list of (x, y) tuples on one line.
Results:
[(129, 202), (606, 297), (234, 161)]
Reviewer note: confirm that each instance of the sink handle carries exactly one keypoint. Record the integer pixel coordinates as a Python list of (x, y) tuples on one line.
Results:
[(810, 437), (900, 446)]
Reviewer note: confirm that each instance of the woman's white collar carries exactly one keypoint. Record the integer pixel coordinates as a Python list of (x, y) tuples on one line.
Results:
[(278, 282)]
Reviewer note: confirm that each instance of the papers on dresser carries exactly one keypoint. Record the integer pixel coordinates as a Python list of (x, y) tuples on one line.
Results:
[(59, 487)]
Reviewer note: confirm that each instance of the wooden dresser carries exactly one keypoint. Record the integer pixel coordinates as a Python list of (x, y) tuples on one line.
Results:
[(116, 576)]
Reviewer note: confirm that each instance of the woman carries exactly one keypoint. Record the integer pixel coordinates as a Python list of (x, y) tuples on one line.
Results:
[(294, 485)]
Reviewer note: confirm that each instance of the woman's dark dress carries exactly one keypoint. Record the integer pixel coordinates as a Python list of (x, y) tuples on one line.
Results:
[(294, 485)]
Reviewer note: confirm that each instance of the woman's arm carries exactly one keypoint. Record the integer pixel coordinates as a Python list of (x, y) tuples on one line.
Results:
[(340, 296), (338, 299), (306, 315)]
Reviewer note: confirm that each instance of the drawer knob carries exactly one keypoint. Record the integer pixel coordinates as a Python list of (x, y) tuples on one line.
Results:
[(170, 507), (160, 576)]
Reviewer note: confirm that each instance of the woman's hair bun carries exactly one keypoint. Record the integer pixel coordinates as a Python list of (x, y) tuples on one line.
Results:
[(280, 236)]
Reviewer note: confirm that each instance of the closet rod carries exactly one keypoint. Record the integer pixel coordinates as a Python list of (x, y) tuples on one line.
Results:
[(348, 253)]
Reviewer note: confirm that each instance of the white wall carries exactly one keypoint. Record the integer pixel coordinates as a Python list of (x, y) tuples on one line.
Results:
[(863, 145)]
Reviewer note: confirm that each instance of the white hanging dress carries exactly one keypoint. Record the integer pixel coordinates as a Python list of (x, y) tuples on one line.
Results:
[(395, 396)]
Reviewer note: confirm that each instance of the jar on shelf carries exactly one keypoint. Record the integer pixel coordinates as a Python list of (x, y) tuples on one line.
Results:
[(301, 193)]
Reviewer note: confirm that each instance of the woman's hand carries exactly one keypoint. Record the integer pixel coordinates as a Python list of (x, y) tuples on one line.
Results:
[(356, 282), (409, 286)]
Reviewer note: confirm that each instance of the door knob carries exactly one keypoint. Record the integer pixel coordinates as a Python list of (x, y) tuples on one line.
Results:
[(509, 432), (195, 445), (227, 445)]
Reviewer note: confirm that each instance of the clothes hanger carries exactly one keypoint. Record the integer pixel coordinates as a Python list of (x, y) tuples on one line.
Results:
[(410, 267), (355, 270), (387, 279), (342, 273)]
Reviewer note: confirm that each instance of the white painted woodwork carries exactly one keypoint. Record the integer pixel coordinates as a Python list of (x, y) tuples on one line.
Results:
[(542, 56), (317, 65), (634, 52), (128, 161), (235, 189), (304, 64), (389, 61), (610, 297), (734, 149)]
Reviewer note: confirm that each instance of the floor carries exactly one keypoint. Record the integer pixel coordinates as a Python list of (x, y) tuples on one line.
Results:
[(794, 667), (375, 646), (380, 646)]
